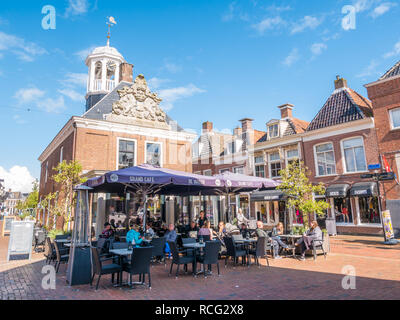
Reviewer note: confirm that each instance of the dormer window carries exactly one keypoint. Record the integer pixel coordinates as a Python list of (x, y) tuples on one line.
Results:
[(273, 131)]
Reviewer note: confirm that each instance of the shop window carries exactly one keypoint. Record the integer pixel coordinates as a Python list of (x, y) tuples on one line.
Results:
[(126, 154), (369, 210), (395, 118), (354, 155), (153, 153), (343, 211), (325, 159)]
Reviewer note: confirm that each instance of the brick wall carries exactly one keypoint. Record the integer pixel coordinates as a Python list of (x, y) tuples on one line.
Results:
[(386, 96)]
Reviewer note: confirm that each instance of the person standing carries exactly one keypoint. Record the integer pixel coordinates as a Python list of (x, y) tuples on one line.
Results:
[(202, 219), (241, 219)]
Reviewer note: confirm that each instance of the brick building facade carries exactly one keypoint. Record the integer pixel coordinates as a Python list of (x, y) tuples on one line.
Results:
[(385, 97)]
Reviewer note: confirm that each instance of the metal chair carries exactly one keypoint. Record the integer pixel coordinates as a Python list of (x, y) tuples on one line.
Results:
[(49, 251), (233, 251), (139, 264), (59, 257), (260, 250), (158, 249), (210, 256), (40, 240), (318, 244), (100, 270), (178, 259)]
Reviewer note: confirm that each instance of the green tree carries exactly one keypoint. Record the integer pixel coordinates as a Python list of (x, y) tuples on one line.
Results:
[(297, 186), (31, 201), (67, 177)]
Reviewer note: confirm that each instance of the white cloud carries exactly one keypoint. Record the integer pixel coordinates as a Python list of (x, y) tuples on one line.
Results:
[(172, 67), (363, 5), (72, 94), (171, 95), (82, 54), (51, 105), (382, 9), (17, 179), (155, 83), (77, 7), (318, 48), (370, 70), (292, 57), (28, 95), (308, 22), (25, 51), (75, 79), (268, 24), (394, 52), (36, 97), (228, 16)]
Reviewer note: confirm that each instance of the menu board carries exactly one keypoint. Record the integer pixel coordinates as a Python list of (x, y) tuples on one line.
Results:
[(21, 237), (7, 224)]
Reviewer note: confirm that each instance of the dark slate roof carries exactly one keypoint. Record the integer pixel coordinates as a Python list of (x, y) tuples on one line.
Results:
[(344, 105), (104, 106), (392, 72)]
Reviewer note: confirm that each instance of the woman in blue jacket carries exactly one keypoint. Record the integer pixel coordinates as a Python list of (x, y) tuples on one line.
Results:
[(133, 236)]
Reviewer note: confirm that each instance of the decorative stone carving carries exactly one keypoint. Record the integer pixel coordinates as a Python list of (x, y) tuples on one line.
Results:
[(138, 105)]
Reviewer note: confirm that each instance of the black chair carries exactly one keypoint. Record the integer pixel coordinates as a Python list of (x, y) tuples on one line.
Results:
[(205, 237), (260, 250), (49, 251), (139, 264), (159, 249), (186, 241), (318, 244), (61, 236), (100, 270), (233, 251), (60, 258), (178, 259), (210, 256)]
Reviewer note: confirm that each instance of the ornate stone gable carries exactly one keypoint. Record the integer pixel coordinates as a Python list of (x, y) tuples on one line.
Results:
[(139, 106)]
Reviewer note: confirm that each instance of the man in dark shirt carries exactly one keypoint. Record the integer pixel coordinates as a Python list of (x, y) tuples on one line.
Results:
[(202, 219), (107, 232), (192, 226)]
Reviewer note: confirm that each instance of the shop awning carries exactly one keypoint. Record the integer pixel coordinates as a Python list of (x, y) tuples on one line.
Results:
[(364, 189), (337, 190), (268, 195)]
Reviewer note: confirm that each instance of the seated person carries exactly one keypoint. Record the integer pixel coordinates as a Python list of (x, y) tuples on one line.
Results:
[(163, 230), (261, 233), (221, 234), (244, 231), (206, 230), (276, 232), (149, 230), (107, 232), (306, 242), (133, 236), (171, 235), (192, 226)]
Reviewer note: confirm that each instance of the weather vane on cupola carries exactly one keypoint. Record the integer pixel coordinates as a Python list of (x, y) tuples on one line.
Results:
[(110, 22)]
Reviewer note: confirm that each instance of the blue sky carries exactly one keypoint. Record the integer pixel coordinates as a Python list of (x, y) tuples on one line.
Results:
[(210, 60)]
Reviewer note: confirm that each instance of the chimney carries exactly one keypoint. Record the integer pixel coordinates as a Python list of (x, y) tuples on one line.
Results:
[(246, 124), (207, 126), (237, 131), (126, 72), (340, 83), (286, 110)]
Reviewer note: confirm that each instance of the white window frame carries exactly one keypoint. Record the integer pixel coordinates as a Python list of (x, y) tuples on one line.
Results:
[(117, 155), (61, 156), (392, 127), (161, 149), (269, 131), (316, 159), (273, 162), (237, 168), (197, 172), (208, 170), (287, 159), (221, 171), (344, 156)]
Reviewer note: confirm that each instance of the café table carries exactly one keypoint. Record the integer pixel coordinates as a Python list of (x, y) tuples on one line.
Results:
[(197, 246), (247, 244), (292, 238), (122, 253)]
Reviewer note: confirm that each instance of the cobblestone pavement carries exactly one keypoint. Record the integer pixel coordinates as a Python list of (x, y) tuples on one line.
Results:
[(377, 269)]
